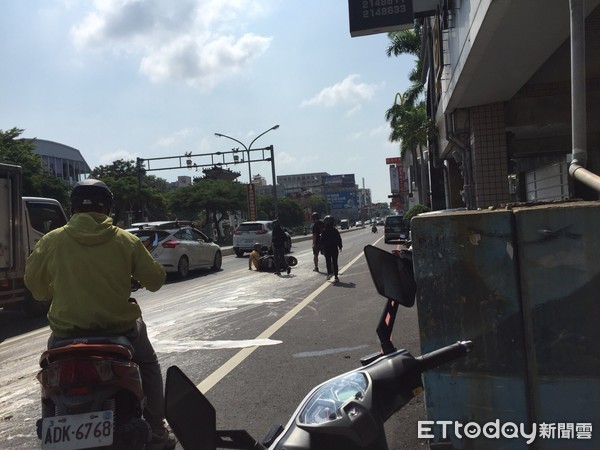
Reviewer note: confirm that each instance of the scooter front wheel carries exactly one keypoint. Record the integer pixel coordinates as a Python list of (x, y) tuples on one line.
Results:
[(291, 261)]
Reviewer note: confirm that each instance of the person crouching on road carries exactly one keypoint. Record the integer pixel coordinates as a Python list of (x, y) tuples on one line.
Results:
[(331, 240), (278, 239), (254, 259), (85, 268)]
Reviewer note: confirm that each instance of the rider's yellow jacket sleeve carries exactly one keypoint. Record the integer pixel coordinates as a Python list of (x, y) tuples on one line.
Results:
[(146, 270), (37, 277)]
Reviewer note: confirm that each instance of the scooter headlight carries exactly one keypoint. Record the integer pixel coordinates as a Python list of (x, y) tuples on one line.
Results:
[(325, 404)]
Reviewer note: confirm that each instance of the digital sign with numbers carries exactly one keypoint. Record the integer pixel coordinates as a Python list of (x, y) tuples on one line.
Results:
[(379, 16)]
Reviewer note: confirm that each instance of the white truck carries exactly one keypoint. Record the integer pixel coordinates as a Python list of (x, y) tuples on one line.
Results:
[(23, 221)]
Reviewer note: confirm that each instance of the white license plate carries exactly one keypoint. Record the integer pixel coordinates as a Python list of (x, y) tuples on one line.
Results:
[(86, 430)]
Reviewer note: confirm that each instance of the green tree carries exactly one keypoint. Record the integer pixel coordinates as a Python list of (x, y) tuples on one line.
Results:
[(208, 201), (409, 42), (415, 210), (157, 183), (145, 200), (290, 211), (315, 203), (410, 125), (408, 117), (36, 183), (265, 207)]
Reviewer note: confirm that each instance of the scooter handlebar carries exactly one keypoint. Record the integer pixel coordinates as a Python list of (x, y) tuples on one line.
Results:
[(443, 355)]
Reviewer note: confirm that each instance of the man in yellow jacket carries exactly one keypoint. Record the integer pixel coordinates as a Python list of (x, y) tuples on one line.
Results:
[(85, 268)]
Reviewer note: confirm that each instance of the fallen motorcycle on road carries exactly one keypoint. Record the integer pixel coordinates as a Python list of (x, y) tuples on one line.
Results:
[(266, 262)]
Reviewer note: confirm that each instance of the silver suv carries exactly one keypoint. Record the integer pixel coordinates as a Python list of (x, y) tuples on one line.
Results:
[(257, 232)]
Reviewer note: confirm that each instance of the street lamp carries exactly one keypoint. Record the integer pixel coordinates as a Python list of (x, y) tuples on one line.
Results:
[(251, 198), (249, 147)]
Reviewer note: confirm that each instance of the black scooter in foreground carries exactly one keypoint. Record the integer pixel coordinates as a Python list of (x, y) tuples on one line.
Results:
[(346, 412)]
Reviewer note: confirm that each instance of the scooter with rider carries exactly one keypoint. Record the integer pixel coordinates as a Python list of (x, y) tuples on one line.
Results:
[(99, 340)]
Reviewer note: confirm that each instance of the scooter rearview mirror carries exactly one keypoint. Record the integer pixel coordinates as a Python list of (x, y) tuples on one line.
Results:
[(392, 275), (189, 413), (194, 419), (393, 278)]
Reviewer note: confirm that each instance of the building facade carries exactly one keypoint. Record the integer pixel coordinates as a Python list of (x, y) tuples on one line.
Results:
[(302, 183), (339, 191), (62, 161), (498, 79)]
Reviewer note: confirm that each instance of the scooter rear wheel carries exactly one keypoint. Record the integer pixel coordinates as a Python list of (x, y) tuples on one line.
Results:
[(291, 261)]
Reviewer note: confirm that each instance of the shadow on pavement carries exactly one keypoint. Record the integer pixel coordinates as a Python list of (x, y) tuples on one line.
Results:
[(344, 285), (14, 323)]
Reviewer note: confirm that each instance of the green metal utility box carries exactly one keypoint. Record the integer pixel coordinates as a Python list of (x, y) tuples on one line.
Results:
[(523, 284)]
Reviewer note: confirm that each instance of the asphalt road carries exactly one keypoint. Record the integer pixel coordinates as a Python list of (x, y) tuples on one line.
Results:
[(255, 343)]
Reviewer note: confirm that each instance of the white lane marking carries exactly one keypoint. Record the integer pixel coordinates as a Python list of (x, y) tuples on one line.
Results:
[(210, 381), (254, 301), (166, 346), (329, 351)]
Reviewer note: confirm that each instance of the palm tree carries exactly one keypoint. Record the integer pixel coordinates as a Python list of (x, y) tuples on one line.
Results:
[(408, 117), (409, 42), (410, 124), (412, 128)]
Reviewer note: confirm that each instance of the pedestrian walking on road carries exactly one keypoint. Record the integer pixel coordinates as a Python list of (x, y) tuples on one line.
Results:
[(331, 240), (278, 239), (317, 228)]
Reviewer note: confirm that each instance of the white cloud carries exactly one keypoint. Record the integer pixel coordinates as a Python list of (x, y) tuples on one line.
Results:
[(288, 163), (174, 138), (349, 90), (109, 158), (200, 63), (354, 111), (199, 42), (381, 132)]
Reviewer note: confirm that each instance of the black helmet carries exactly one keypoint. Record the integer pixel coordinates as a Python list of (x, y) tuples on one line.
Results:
[(91, 195), (316, 216), (329, 220)]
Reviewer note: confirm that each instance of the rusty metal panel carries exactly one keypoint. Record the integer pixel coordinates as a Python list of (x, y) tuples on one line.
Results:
[(468, 288), (524, 285), (559, 253)]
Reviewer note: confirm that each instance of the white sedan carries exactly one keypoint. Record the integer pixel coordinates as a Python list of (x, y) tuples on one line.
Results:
[(178, 246)]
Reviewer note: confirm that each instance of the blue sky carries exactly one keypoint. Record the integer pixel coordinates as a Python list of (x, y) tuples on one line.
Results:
[(120, 79)]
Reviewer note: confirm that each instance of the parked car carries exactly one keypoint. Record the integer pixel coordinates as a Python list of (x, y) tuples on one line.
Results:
[(396, 228), (257, 232), (344, 224), (178, 246)]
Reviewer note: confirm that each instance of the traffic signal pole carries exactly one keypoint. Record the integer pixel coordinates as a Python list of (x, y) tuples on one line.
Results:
[(214, 159)]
